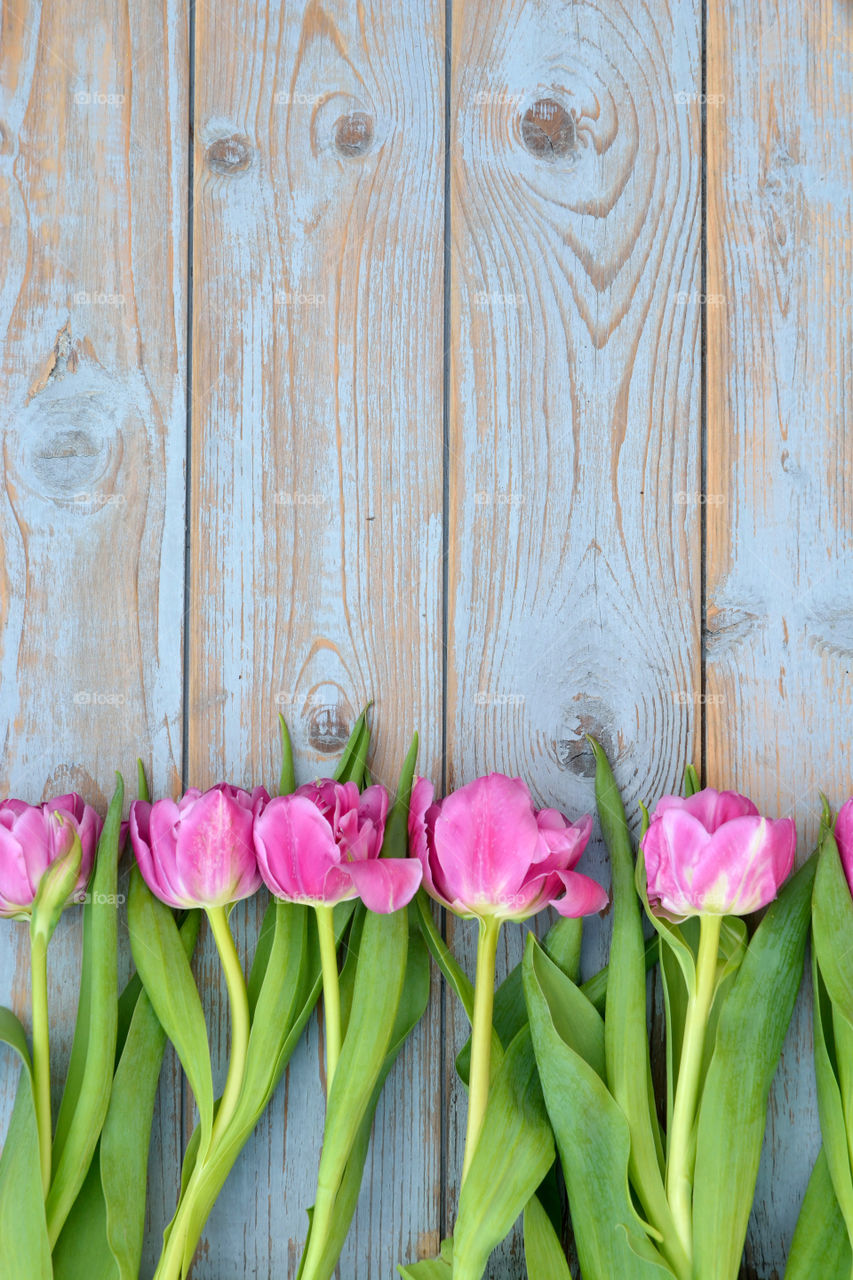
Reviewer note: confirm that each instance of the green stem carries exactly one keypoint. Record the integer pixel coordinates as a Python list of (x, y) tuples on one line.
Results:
[(239, 1001), (41, 1053), (331, 991), (680, 1150), (481, 1035)]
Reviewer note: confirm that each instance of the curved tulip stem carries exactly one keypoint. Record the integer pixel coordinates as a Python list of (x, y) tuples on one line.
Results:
[(239, 1001), (481, 1035), (331, 991), (41, 1053), (680, 1149)]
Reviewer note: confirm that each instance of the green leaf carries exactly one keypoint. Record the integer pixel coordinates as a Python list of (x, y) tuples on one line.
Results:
[(543, 1253), (575, 1020), (514, 1152), (821, 1247), (126, 1134), (626, 1041), (287, 777), (413, 1002), (24, 1243), (833, 1126), (376, 998), (142, 782), (395, 843), (692, 783), (594, 1142), (352, 762), (166, 975), (595, 988), (82, 1252), (733, 1107), (87, 1090), (832, 922)]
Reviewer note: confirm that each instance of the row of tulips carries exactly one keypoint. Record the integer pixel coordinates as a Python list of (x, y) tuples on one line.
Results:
[(560, 1096)]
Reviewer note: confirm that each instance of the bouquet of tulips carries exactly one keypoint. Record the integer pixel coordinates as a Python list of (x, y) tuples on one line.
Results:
[(560, 1095)]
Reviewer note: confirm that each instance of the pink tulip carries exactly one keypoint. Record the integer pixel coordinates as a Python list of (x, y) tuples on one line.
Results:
[(32, 837), (714, 854), (486, 851), (321, 846), (844, 839), (199, 852)]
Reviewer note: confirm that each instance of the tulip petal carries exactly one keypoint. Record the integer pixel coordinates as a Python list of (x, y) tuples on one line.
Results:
[(485, 838), (16, 889), (844, 839), (583, 896), (747, 860), (215, 856), (385, 884), (712, 808), (295, 848)]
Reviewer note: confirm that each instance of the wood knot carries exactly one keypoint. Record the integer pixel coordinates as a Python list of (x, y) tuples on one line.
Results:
[(66, 459), (548, 130), (233, 154), (328, 729), (354, 133)]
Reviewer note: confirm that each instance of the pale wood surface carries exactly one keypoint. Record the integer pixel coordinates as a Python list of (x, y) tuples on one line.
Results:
[(567, 320), (573, 240), (317, 500), (779, 450), (93, 183)]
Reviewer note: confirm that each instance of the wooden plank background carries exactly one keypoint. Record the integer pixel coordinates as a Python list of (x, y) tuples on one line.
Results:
[(402, 352)]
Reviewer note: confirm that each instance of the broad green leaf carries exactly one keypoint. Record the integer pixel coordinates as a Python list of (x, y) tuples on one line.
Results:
[(376, 997), (413, 1002), (90, 1075), (575, 1020), (830, 1100), (832, 922), (263, 947), (821, 1246), (543, 1253), (692, 783), (126, 1135), (514, 1152), (24, 1243), (351, 765), (626, 1041), (595, 988), (82, 1252), (594, 1142), (166, 975), (733, 1107), (395, 843)]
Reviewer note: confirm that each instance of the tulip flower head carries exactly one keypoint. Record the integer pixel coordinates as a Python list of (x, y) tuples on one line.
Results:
[(712, 853), (486, 851), (844, 839), (321, 845), (34, 837), (198, 851)]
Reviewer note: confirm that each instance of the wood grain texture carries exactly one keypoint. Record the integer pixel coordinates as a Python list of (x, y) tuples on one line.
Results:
[(574, 594), (93, 180), (779, 642), (316, 531)]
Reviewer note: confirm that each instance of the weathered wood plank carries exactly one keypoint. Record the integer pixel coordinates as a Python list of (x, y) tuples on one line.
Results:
[(317, 496), (574, 594), (780, 162), (93, 159)]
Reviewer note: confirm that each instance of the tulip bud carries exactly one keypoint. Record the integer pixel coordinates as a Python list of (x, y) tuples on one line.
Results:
[(487, 852), (33, 838), (712, 853), (57, 884)]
